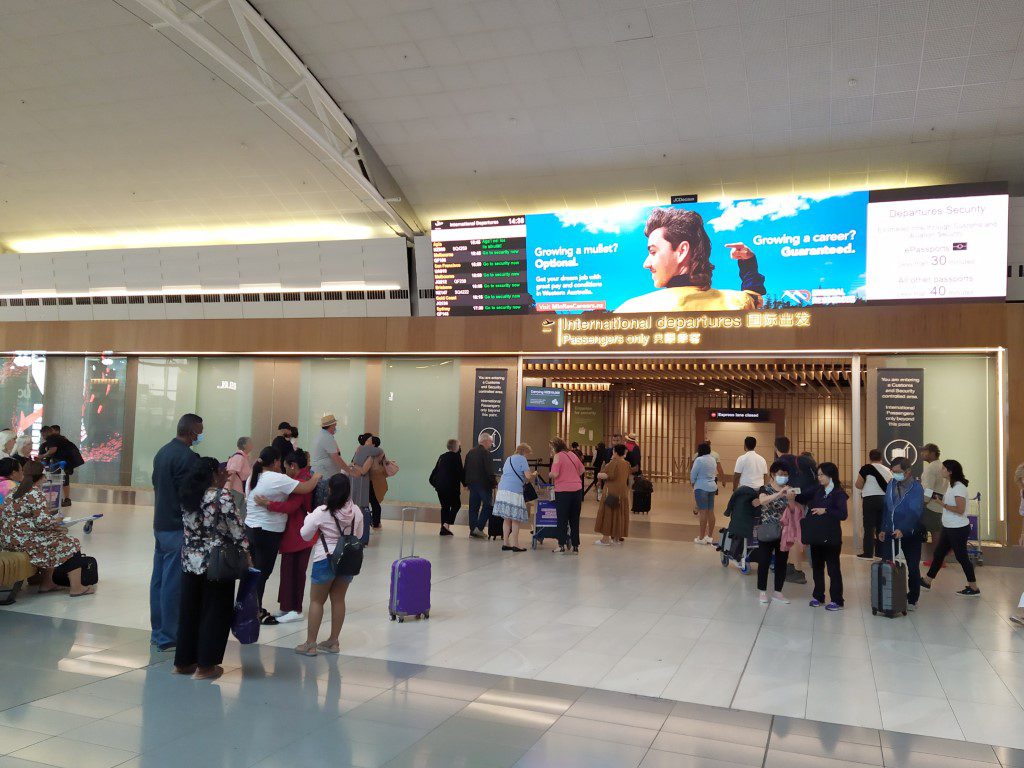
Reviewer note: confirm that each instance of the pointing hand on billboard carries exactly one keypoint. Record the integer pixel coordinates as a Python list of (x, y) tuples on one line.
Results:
[(739, 251)]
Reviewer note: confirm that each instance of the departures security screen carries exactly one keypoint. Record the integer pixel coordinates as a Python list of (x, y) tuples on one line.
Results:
[(921, 244)]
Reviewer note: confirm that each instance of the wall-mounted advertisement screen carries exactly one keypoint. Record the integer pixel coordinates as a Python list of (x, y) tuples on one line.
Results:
[(925, 243), (545, 399)]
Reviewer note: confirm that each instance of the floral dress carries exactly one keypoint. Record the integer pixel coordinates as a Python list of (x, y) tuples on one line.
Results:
[(27, 526), (216, 522)]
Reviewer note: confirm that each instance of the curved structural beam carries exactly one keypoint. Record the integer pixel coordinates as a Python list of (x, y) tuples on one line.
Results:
[(332, 133)]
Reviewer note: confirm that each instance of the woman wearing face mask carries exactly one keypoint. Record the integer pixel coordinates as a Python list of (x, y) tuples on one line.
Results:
[(830, 499), (774, 501), (956, 529), (265, 528)]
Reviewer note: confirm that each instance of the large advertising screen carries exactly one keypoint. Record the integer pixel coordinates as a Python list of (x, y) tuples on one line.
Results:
[(924, 243)]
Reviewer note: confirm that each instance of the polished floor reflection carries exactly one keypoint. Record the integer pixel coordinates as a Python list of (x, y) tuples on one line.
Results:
[(87, 695), (651, 618)]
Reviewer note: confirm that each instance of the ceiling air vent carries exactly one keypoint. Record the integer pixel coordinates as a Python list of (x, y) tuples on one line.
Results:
[(99, 300), (155, 299), (250, 297), (232, 297), (17, 302), (211, 298), (313, 295), (291, 296), (118, 299), (136, 299), (172, 299), (31, 302), (82, 300), (3, 302), (50, 302), (65, 301), (193, 298), (400, 294), (271, 297), (334, 295), (376, 295), (427, 293), (355, 295)]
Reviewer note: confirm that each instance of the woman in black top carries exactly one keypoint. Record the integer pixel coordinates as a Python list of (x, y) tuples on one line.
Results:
[(830, 499), (447, 479), (773, 500), (600, 458)]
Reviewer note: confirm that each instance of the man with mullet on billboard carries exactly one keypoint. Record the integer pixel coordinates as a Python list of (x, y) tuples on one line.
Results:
[(679, 260)]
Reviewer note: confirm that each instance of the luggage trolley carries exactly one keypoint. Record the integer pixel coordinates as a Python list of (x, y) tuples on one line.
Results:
[(53, 490), (736, 550), (974, 537)]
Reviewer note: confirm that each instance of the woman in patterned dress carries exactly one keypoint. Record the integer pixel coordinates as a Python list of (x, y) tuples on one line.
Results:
[(30, 527), (209, 518)]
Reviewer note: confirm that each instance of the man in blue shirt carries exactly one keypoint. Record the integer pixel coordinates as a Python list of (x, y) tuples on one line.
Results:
[(901, 519), (170, 466)]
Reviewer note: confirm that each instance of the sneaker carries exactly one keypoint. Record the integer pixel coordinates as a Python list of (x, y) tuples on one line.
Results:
[(925, 585), (559, 551), (600, 543), (708, 540), (576, 551), (698, 540), (1017, 620), (911, 606), (969, 592), (762, 598), (796, 577), (866, 556), (778, 598), (290, 617), (477, 534), (814, 603), (833, 607)]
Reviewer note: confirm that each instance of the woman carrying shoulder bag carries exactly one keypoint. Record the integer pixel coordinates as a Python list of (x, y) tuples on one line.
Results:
[(511, 500), (214, 554), (774, 499), (339, 520), (567, 475), (613, 509)]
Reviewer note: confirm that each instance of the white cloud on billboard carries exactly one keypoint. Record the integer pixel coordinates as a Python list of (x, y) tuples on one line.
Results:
[(602, 220), (772, 208)]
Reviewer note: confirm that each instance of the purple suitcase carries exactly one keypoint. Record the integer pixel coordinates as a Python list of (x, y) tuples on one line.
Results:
[(410, 579)]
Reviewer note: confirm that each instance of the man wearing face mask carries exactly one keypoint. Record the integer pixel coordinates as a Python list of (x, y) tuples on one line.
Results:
[(901, 519), (872, 481), (171, 465)]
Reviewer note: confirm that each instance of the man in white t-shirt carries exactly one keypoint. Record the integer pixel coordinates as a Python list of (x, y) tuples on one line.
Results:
[(872, 481), (751, 470)]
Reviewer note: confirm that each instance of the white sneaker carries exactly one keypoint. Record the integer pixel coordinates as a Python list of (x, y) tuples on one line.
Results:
[(600, 543), (777, 597), (708, 540), (699, 540), (763, 598), (290, 617)]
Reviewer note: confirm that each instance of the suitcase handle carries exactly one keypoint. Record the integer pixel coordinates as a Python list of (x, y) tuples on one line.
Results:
[(401, 546)]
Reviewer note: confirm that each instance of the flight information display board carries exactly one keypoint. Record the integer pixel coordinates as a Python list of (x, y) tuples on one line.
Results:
[(480, 266), (919, 244)]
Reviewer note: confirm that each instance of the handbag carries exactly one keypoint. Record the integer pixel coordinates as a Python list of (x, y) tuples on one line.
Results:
[(611, 501), (768, 532), (347, 557), (390, 467), (529, 489), (819, 530), (245, 622), (227, 560)]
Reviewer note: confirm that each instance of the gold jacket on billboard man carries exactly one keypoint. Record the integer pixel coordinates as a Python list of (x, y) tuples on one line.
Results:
[(679, 260)]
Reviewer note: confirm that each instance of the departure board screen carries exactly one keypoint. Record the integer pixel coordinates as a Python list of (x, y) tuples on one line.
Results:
[(480, 266), (918, 244)]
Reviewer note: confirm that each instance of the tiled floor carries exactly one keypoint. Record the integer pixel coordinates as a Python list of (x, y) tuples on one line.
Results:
[(658, 619)]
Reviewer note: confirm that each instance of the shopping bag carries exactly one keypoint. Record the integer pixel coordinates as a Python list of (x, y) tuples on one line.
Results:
[(245, 625)]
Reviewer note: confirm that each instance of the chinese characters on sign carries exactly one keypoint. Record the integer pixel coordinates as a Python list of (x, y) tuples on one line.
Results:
[(667, 331)]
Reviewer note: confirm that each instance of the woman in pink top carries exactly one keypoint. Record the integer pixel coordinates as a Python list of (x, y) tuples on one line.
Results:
[(239, 467), (338, 516), (567, 474)]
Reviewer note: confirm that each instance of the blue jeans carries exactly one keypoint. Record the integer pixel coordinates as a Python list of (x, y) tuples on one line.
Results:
[(480, 505), (165, 588)]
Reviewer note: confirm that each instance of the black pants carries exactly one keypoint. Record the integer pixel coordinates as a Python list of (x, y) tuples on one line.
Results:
[(568, 505), (827, 556), (263, 547), (952, 539), (450, 505), (873, 507), (764, 552), (204, 619), (374, 508)]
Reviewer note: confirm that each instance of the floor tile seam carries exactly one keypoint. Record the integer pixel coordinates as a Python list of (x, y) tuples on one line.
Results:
[(746, 663)]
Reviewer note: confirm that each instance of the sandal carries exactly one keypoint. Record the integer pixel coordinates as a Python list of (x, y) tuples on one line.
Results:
[(267, 619), (306, 649), (329, 647), (85, 591)]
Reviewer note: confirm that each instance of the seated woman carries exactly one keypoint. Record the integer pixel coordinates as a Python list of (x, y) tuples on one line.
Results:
[(10, 476), (41, 535)]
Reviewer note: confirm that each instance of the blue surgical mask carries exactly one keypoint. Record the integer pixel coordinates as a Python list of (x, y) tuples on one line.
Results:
[(781, 479), (198, 440), (829, 487), (899, 477)]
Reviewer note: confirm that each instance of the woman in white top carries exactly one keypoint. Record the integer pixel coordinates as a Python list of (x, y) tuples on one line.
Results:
[(956, 529), (264, 528)]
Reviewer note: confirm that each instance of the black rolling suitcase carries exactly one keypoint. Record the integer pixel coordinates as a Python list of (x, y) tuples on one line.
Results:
[(889, 587), (495, 527), (642, 491)]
